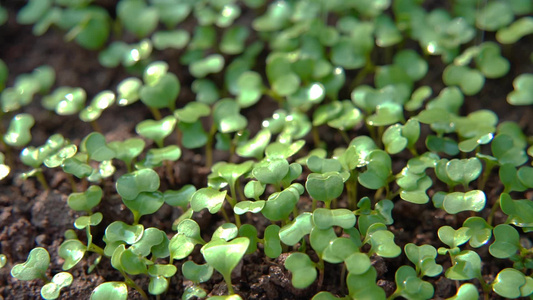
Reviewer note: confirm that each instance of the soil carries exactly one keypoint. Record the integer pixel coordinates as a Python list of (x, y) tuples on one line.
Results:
[(31, 216)]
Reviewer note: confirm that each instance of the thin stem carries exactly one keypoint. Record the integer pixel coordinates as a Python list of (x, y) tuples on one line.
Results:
[(209, 147), (486, 173), (345, 136), (96, 249), (316, 137), (227, 279), (72, 182), (96, 127), (320, 266), (40, 177), (226, 217), (170, 172), (155, 112), (133, 285), (493, 210)]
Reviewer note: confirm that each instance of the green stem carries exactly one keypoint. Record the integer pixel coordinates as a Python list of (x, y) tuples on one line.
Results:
[(129, 282), (316, 137), (320, 266), (170, 172), (209, 147), (40, 177), (96, 249), (493, 210), (345, 136), (72, 182), (486, 173), (155, 112), (227, 279), (96, 127)]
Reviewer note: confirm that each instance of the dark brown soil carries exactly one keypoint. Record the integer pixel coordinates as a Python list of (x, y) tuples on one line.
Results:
[(32, 217)]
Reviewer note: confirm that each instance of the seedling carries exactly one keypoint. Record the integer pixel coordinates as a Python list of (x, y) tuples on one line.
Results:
[(224, 256), (110, 290), (18, 133)]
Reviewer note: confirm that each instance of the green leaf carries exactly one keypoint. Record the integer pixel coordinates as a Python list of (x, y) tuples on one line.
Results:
[(128, 91), (509, 283), (224, 256), (181, 197), (292, 233), (110, 290), (520, 212), (324, 187), (130, 185), (480, 231), (170, 39), (52, 289), (340, 249), (386, 114), (466, 291), (137, 17), (467, 265), (272, 244), (458, 201), (382, 241), (410, 286), (364, 286), (494, 16), (35, 266), (469, 80), (208, 198), (192, 112), (155, 157), (255, 146), (514, 32), (226, 231), (181, 246), (523, 90), (120, 231), (226, 116), (87, 200), (327, 218), (280, 205), (424, 259), (213, 63), (162, 92), (506, 241), (378, 169), (302, 268), (490, 62), (233, 40), (92, 220), (72, 251), (65, 100), (453, 238), (196, 273), (18, 133), (151, 238)]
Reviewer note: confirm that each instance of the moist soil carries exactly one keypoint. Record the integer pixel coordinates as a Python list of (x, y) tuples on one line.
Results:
[(31, 216)]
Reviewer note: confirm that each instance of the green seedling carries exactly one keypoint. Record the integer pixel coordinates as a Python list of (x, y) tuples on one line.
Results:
[(128, 91), (324, 187), (457, 171), (129, 55), (424, 259), (249, 231), (130, 185), (382, 213), (145, 203), (271, 171), (233, 40), (511, 283), (197, 274), (26, 86), (52, 289), (515, 31), (325, 218), (494, 16), (466, 291), (302, 268), (452, 238), (170, 39), (292, 233), (442, 144), (119, 232), (364, 285), (87, 200), (156, 157), (522, 93), (466, 266), (227, 118), (65, 100), (134, 13), (224, 256), (506, 241), (206, 91), (18, 133), (410, 286), (413, 180), (98, 104), (72, 251), (110, 290), (479, 231), (211, 64), (272, 242), (127, 150), (386, 114), (381, 241), (96, 147), (250, 88), (507, 151), (161, 88), (519, 212), (227, 232), (255, 147), (280, 205), (378, 170), (477, 129), (159, 275), (457, 202), (35, 266), (339, 249), (398, 137), (209, 198), (470, 81)]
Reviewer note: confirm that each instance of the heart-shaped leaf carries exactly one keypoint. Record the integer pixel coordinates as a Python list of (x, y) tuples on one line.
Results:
[(523, 90), (110, 290), (302, 268), (196, 273), (424, 259), (508, 283), (467, 265), (506, 241), (130, 185), (224, 256), (35, 266), (52, 289), (208, 198), (292, 233), (457, 201), (324, 187)]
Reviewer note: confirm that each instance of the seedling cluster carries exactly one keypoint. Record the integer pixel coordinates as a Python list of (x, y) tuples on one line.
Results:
[(356, 125)]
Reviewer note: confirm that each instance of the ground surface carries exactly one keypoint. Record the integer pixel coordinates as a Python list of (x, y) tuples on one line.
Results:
[(31, 216)]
